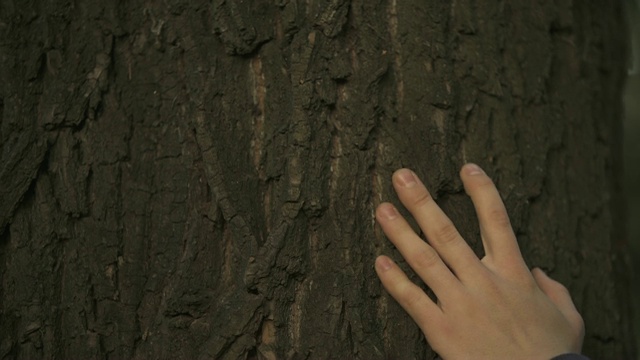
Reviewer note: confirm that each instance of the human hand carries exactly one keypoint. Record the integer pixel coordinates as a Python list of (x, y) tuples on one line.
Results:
[(489, 308)]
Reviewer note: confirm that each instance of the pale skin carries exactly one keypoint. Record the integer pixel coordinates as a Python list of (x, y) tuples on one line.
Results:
[(489, 308)]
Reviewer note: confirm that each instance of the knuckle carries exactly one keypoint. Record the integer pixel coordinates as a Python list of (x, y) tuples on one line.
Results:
[(446, 234), (426, 258), (422, 199), (499, 217)]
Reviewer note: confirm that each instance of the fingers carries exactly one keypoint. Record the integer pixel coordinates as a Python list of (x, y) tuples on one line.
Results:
[(412, 299), (440, 231), (497, 235), (559, 295), (422, 258)]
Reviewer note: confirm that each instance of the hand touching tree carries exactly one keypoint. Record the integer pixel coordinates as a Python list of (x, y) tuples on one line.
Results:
[(489, 308)]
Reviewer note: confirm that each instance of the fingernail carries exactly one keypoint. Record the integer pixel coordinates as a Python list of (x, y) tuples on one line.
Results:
[(472, 169), (388, 212), (384, 263), (406, 178)]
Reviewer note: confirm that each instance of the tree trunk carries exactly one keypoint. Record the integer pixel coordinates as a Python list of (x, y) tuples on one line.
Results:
[(197, 179)]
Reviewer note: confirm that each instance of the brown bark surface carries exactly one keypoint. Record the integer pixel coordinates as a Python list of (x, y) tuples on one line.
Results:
[(197, 179)]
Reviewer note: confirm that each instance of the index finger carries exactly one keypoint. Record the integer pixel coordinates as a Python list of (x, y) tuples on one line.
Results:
[(499, 241)]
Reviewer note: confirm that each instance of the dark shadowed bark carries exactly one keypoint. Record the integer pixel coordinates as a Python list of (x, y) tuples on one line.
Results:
[(197, 179)]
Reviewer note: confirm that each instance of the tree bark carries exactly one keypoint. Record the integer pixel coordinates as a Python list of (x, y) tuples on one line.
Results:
[(197, 179)]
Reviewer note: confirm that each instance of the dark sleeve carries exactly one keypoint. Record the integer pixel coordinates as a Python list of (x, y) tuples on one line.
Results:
[(570, 357)]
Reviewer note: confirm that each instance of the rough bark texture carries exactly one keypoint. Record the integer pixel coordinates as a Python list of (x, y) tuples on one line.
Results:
[(197, 179)]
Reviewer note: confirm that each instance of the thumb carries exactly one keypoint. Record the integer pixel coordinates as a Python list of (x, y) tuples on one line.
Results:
[(559, 295)]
